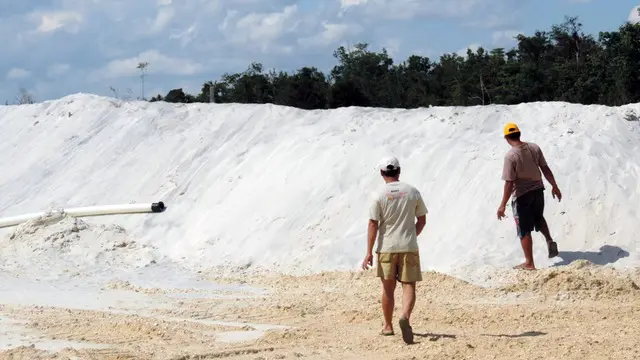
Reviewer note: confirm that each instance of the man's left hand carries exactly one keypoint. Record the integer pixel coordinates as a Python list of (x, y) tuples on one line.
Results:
[(501, 214), (368, 261)]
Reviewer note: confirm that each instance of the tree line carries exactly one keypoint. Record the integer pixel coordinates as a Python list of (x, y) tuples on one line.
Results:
[(559, 64)]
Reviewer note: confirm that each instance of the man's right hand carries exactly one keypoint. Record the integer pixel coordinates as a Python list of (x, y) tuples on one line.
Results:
[(500, 212), (368, 261), (555, 192)]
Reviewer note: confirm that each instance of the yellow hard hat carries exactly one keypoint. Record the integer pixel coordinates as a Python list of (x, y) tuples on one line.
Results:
[(511, 128)]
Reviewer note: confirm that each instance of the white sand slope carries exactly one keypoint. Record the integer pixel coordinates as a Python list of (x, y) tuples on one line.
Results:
[(269, 186)]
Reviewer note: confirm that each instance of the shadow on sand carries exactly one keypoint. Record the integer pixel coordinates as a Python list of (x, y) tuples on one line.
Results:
[(607, 255), (524, 334), (434, 337), (431, 337)]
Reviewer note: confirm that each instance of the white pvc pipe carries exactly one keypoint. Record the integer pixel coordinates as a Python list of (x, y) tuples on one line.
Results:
[(89, 211)]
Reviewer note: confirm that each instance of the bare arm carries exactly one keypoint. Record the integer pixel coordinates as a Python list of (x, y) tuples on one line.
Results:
[(371, 235), (546, 171), (548, 174), (509, 175), (506, 193), (555, 191), (422, 220)]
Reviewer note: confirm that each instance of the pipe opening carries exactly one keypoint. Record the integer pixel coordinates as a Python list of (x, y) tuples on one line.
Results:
[(158, 207)]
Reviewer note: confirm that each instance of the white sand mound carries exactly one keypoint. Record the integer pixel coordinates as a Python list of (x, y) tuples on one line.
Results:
[(283, 189), (581, 278), (60, 243)]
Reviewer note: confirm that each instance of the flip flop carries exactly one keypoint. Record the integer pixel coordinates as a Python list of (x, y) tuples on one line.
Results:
[(407, 331), (386, 332)]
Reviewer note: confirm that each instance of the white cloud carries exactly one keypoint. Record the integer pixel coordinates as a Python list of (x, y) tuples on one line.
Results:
[(187, 36), (163, 18), (504, 36), (634, 17), (53, 21), (473, 47), (392, 46), (492, 20), (262, 30), (228, 18), (469, 13), (348, 3), (17, 73), (407, 9), (56, 70), (330, 34), (265, 27), (158, 64)]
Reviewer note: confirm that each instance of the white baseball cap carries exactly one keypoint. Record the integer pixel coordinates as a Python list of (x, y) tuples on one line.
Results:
[(389, 163)]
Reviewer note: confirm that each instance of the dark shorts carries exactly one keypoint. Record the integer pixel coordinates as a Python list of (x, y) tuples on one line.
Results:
[(528, 211)]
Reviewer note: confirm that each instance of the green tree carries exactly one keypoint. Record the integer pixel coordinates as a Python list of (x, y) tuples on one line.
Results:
[(559, 64)]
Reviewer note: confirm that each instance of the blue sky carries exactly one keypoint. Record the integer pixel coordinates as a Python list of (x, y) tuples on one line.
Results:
[(54, 48)]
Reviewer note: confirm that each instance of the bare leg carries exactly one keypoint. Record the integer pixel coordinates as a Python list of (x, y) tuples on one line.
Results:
[(544, 229), (551, 245), (527, 247), (408, 299), (388, 289)]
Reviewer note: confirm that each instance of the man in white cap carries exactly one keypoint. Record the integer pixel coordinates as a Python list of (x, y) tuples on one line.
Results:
[(392, 216)]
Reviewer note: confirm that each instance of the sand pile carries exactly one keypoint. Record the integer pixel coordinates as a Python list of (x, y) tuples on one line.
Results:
[(118, 284), (338, 316), (60, 244), (580, 278), (228, 210)]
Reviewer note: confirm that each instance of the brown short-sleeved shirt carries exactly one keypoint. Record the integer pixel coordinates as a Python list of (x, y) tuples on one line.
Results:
[(522, 166)]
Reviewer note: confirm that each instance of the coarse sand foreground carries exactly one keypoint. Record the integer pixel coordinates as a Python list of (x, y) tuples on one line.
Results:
[(580, 311)]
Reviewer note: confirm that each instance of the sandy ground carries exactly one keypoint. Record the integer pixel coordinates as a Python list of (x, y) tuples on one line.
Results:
[(576, 312)]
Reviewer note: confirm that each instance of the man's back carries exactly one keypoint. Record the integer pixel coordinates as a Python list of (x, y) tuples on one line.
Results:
[(396, 206), (521, 165)]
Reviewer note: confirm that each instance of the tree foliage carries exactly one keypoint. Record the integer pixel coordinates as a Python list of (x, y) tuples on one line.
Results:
[(559, 64)]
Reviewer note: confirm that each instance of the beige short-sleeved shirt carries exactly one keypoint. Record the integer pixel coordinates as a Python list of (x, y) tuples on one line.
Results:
[(396, 206), (522, 166)]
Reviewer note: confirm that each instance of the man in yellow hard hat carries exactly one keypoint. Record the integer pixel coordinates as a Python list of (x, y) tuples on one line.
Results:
[(521, 174)]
